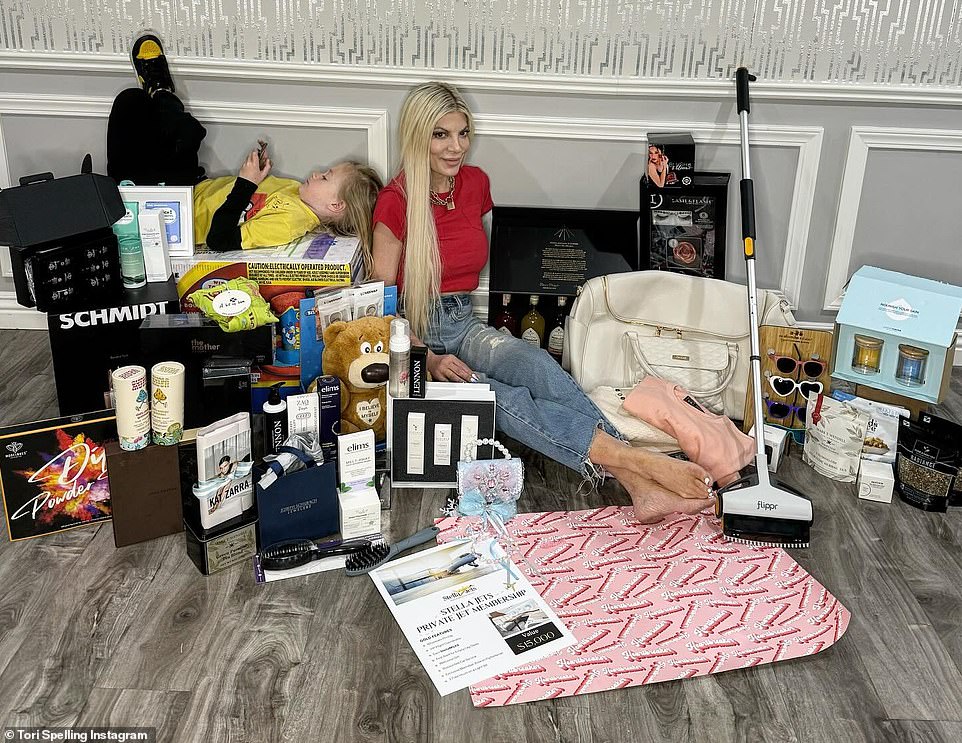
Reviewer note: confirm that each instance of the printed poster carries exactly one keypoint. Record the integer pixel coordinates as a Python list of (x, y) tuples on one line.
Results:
[(468, 615)]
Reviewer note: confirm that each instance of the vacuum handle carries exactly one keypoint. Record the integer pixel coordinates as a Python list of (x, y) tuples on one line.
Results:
[(742, 78)]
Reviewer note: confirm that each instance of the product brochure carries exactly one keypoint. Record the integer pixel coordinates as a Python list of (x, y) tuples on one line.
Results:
[(469, 615)]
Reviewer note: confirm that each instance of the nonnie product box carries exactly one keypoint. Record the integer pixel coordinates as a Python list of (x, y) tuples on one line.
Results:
[(144, 493), (315, 260), (551, 253), (876, 481), (62, 250), (87, 344), (671, 159), (896, 332), (685, 230), (53, 473)]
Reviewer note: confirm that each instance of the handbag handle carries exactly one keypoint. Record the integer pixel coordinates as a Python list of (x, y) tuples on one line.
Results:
[(639, 355), (675, 328), (484, 442)]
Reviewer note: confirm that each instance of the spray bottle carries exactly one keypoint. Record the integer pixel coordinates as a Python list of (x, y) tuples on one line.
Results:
[(400, 358)]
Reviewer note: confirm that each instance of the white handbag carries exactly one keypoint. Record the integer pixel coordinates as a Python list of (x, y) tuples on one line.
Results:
[(688, 330)]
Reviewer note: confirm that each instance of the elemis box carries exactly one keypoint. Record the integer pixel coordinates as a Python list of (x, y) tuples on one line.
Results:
[(915, 321)]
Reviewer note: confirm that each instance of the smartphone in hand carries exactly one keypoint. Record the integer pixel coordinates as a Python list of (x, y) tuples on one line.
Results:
[(262, 152)]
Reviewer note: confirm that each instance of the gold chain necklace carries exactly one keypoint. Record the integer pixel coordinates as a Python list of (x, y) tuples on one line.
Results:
[(448, 201)]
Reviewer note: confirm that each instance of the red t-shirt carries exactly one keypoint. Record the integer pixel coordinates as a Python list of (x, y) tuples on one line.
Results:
[(462, 243)]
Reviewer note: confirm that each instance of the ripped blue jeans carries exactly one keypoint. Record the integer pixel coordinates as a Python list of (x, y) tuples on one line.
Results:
[(539, 404)]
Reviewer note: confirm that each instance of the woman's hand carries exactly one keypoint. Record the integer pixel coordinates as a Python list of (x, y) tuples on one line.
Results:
[(448, 368), (252, 171)]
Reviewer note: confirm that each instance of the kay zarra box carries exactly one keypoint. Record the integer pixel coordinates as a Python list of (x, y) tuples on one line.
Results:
[(53, 473)]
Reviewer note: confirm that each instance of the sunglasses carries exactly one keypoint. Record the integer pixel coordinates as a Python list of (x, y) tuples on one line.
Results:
[(780, 410), (788, 365), (783, 387)]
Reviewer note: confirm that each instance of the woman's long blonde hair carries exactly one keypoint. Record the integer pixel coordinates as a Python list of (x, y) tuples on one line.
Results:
[(422, 108), (359, 194)]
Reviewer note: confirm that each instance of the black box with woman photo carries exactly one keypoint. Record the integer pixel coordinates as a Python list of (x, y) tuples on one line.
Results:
[(684, 230)]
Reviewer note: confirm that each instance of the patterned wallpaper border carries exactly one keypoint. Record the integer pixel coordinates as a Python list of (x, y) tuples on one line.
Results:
[(867, 42)]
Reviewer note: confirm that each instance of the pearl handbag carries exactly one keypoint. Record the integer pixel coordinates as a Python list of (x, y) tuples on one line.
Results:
[(488, 485)]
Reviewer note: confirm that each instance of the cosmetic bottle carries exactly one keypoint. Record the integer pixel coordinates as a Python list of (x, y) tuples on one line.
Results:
[(275, 410), (400, 358), (505, 321), (132, 268), (556, 338), (532, 324)]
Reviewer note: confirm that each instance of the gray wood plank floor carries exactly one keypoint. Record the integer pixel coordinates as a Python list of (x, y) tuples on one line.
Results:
[(93, 635)]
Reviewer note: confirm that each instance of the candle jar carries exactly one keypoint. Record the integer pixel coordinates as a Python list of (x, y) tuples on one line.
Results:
[(867, 355), (911, 366)]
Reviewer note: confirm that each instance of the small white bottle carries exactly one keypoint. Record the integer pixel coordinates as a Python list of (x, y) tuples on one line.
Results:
[(275, 411), (400, 359)]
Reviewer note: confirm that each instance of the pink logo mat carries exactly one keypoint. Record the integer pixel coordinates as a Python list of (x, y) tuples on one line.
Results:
[(656, 602)]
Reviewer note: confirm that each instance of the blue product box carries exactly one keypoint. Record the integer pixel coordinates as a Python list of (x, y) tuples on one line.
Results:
[(302, 505), (899, 310)]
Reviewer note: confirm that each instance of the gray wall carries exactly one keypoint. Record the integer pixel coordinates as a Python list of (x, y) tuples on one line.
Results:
[(859, 138)]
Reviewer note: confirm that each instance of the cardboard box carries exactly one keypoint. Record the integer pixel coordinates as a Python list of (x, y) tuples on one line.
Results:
[(144, 493), (315, 260), (51, 225), (898, 309), (876, 481), (53, 473), (88, 344), (360, 511), (677, 151), (915, 407)]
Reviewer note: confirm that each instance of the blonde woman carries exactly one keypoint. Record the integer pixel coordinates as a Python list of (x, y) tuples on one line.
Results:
[(429, 240)]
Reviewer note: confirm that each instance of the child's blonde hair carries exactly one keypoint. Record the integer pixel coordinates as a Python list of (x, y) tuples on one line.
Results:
[(359, 194), (422, 108)]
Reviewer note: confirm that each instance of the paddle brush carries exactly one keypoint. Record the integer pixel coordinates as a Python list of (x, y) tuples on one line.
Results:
[(379, 553), (757, 509), (297, 552)]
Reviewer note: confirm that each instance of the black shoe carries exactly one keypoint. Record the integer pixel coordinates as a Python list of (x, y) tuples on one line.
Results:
[(147, 55)]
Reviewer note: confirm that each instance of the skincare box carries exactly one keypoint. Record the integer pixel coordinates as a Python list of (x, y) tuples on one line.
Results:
[(355, 457), (418, 375), (677, 151), (303, 414), (329, 405), (144, 493), (776, 444), (876, 481), (360, 510), (360, 507), (236, 543), (153, 239), (896, 332)]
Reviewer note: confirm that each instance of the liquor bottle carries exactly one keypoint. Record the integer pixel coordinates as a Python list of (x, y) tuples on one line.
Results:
[(505, 321), (556, 338), (532, 324)]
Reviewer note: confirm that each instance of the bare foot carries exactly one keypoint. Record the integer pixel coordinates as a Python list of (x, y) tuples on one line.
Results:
[(651, 501), (687, 479)]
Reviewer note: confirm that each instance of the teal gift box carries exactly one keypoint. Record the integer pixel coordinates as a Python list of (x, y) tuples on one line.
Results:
[(919, 315)]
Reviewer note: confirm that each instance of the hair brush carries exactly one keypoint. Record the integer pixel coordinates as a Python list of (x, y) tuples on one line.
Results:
[(375, 555), (296, 552)]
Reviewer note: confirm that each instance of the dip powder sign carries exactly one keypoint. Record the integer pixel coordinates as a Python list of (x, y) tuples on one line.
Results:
[(53, 473)]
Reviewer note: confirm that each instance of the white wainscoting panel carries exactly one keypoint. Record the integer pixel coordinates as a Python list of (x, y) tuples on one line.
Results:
[(862, 140)]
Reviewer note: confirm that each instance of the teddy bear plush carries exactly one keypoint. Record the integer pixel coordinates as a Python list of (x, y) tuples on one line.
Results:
[(356, 353)]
